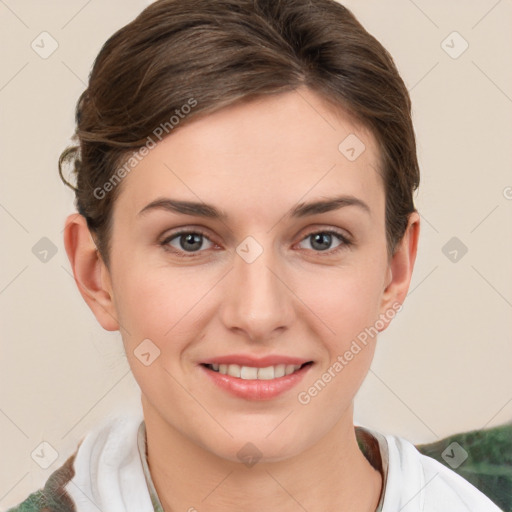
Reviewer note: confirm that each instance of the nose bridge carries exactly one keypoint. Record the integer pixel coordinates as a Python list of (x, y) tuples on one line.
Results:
[(257, 302)]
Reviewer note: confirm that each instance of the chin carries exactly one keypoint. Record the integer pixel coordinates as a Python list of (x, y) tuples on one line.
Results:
[(256, 446)]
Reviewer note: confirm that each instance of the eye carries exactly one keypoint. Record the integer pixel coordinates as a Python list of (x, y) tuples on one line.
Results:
[(190, 243), (185, 242), (321, 240)]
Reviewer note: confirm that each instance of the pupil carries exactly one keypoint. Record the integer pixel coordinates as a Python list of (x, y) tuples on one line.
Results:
[(191, 239), (321, 238)]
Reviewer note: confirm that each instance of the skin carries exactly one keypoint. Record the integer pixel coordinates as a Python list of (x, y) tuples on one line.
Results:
[(255, 161)]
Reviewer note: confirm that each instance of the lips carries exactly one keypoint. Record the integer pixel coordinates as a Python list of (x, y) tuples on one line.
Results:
[(254, 378)]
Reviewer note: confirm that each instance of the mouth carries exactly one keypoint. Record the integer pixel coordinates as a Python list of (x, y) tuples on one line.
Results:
[(256, 373), (254, 382)]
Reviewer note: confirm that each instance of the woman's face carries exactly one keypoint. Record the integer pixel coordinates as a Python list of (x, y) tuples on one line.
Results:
[(266, 276)]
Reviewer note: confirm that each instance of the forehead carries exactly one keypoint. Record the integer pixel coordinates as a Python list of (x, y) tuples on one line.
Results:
[(257, 156)]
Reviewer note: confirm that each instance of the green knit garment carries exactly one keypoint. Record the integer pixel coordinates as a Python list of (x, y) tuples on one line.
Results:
[(52, 497)]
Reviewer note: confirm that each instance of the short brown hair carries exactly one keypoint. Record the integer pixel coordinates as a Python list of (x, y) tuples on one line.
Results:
[(223, 51)]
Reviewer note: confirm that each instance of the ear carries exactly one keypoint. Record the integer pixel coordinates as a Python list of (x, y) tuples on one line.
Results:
[(400, 270), (91, 274)]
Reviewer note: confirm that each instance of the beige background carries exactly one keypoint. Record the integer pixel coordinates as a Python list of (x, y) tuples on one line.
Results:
[(444, 364)]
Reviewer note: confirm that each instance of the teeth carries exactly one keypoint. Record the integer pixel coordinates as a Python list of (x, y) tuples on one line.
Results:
[(290, 368), (280, 370), (233, 370), (266, 373), (247, 372), (251, 373)]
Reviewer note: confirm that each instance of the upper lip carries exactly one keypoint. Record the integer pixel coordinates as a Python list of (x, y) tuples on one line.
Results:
[(256, 362)]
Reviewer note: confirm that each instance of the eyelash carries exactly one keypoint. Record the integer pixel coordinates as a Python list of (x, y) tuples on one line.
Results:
[(344, 245)]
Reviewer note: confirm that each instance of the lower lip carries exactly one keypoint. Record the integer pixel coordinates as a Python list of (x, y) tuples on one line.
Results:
[(255, 389)]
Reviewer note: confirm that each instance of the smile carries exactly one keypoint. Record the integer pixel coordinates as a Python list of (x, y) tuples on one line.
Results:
[(255, 383)]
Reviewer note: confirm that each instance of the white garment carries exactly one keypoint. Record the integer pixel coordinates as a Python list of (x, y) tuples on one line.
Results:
[(109, 475)]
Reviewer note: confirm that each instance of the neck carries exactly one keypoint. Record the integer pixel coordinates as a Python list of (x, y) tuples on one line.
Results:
[(332, 474)]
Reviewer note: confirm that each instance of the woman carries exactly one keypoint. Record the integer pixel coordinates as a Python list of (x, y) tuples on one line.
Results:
[(245, 172)]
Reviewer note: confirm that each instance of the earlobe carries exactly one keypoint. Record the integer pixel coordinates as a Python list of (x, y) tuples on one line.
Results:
[(401, 266), (91, 275)]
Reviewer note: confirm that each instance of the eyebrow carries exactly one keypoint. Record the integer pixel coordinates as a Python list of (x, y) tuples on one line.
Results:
[(209, 211)]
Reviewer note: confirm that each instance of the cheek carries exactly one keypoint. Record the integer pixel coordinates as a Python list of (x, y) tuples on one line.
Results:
[(157, 305), (169, 306), (345, 300), (150, 302), (347, 303)]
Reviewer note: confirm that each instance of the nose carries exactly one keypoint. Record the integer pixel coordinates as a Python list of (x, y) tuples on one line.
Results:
[(258, 301)]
